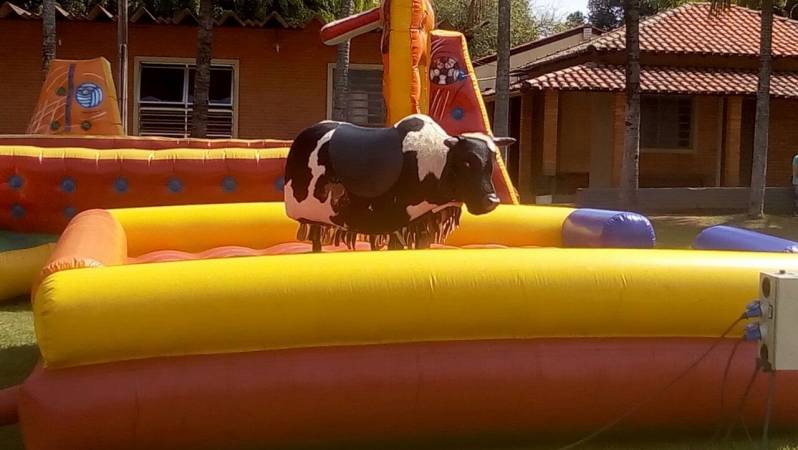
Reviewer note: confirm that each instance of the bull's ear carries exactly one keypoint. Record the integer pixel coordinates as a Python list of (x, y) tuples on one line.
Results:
[(451, 142), (503, 141)]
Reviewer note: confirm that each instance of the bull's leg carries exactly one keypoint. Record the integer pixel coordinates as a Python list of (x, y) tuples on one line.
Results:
[(394, 243), (423, 240), (315, 238)]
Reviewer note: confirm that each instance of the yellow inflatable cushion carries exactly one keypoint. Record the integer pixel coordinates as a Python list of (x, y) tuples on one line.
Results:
[(19, 268), (95, 315), (195, 228)]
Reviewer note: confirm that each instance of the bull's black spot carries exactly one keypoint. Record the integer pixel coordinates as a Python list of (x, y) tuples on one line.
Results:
[(411, 124), (297, 166)]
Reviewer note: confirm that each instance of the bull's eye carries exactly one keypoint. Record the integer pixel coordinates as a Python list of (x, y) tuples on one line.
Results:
[(467, 164)]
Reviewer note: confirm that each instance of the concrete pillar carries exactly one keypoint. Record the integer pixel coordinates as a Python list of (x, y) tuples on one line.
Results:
[(526, 149), (551, 113), (618, 127), (732, 141)]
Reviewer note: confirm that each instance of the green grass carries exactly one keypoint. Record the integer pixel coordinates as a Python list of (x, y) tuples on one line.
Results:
[(18, 351)]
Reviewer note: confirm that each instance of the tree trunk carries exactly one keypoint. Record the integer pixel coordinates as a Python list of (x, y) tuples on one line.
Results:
[(756, 204), (341, 81), (202, 76), (631, 143), (121, 75), (501, 112), (48, 35)]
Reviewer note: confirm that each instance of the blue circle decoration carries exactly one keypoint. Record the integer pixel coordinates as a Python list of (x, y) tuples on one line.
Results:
[(16, 182), (70, 211), (458, 113), (68, 184), (17, 211), (279, 184), (461, 75), (120, 185), (89, 95), (175, 185), (229, 184)]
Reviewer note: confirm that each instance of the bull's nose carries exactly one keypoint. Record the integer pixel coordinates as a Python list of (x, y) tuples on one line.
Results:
[(490, 202)]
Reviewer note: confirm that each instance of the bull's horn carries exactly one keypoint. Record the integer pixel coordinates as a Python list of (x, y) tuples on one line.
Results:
[(503, 141)]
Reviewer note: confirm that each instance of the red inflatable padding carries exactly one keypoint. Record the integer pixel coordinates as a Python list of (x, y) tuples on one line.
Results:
[(8, 405), (288, 248), (388, 392), (43, 194), (136, 142)]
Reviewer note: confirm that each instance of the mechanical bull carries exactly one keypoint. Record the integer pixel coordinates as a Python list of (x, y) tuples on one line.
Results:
[(401, 186)]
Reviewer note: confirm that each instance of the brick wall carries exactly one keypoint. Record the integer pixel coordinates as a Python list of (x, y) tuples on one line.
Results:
[(691, 168), (574, 135), (783, 141), (279, 92)]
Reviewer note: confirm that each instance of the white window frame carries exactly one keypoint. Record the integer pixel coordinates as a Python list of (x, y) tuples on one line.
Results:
[(693, 129), (140, 60), (331, 81)]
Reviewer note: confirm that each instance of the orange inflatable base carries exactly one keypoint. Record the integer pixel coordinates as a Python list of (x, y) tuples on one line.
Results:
[(376, 393)]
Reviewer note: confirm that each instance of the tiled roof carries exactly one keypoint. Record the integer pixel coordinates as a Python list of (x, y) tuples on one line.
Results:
[(142, 15), (694, 29), (663, 80), (541, 42)]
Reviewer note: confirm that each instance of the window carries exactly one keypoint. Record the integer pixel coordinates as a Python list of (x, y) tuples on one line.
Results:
[(165, 99), (666, 123), (366, 104)]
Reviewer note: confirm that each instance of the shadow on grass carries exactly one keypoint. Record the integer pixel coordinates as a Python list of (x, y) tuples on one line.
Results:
[(15, 365), (680, 231)]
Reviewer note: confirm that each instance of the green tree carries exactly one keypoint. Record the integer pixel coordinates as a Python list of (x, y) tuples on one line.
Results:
[(478, 20), (630, 168), (341, 81), (501, 104), (202, 73), (575, 19), (609, 14), (48, 35), (756, 203)]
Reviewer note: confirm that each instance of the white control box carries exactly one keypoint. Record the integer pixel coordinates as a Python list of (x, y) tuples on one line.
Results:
[(778, 293)]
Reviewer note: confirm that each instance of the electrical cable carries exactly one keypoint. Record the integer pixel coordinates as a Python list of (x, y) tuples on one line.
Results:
[(723, 382), (768, 409), (644, 402), (739, 411), (725, 378)]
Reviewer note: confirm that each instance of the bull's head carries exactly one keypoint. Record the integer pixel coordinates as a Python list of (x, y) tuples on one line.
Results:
[(469, 166)]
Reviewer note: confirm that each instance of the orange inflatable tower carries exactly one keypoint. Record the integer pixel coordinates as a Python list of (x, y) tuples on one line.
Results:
[(77, 98), (425, 71)]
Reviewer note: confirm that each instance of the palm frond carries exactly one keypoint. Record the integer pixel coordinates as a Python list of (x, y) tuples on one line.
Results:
[(717, 6)]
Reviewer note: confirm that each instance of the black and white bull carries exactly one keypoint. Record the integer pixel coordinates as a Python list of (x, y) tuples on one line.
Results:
[(402, 186)]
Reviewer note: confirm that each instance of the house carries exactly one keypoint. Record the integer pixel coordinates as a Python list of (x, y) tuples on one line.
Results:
[(520, 55), (269, 79), (698, 81)]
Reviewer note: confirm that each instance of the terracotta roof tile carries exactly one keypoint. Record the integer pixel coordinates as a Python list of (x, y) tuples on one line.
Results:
[(694, 29), (663, 80)]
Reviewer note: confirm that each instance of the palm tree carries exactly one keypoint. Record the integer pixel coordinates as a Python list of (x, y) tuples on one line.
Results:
[(756, 202), (341, 81), (501, 112), (631, 148), (122, 60), (48, 34), (202, 76)]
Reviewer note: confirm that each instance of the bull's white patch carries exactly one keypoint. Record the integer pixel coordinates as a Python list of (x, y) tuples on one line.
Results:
[(416, 211), (483, 137), (311, 208), (429, 147)]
